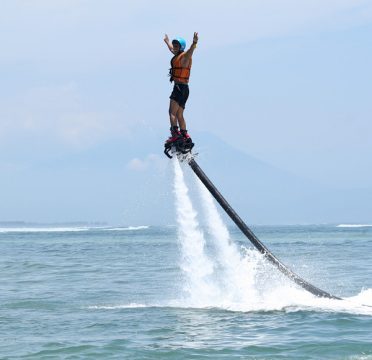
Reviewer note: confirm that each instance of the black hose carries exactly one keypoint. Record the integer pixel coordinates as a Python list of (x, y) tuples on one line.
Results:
[(253, 238)]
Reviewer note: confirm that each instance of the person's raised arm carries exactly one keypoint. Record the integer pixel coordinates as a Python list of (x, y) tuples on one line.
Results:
[(190, 51), (169, 44)]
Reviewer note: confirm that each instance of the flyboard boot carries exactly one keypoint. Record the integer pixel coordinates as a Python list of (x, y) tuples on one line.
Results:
[(180, 141), (172, 141), (187, 142)]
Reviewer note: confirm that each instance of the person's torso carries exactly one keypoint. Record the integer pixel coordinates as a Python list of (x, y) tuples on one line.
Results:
[(180, 73)]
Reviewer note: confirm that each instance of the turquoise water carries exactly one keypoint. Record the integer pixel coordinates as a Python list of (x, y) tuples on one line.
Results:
[(125, 293)]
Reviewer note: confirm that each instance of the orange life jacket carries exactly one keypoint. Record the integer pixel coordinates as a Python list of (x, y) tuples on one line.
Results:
[(179, 73)]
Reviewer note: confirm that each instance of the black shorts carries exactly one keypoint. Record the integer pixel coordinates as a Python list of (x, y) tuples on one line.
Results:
[(180, 94)]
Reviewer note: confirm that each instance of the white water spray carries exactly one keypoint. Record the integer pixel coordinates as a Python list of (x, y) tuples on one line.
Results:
[(246, 280), (233, 279), (195, 264), (228, 280), (237, 271)]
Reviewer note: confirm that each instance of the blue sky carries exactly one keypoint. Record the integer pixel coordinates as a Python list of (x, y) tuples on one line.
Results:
[(287, 82)]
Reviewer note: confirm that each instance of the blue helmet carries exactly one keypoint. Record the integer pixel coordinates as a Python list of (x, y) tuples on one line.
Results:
[(181, 41)]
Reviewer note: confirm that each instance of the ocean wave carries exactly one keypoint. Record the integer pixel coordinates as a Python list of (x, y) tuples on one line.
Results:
[(129, 228), (42, 229), (67, 229), (353, 225), (285, 298)]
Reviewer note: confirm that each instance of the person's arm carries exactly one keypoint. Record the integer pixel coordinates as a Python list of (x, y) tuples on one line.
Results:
[(169, 44), (188, 54)]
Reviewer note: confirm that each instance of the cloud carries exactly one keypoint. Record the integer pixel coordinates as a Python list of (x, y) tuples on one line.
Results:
[(152, 160), (60, 113), (137, 165)]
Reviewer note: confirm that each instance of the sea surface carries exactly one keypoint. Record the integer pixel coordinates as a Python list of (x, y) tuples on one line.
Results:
[(195, 289), (106, 293)]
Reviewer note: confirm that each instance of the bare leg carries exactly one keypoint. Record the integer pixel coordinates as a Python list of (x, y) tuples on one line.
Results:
[(180, 118), (173, 110)]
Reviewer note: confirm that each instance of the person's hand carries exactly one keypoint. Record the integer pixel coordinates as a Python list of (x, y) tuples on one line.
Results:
[(166, 38), (196, 38)]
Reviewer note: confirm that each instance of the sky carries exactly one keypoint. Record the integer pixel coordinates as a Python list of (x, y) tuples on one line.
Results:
[(286, 82)]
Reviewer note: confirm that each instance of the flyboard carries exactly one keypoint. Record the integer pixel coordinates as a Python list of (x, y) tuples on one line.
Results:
[(184, 154)]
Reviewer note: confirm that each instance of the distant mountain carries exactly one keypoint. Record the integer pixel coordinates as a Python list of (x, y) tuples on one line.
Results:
[(131, 183), (265, 194)]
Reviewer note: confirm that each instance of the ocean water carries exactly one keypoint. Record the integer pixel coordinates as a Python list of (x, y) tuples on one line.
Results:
[(192, 290)]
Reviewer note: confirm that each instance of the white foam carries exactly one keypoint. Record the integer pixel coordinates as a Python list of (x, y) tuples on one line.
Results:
[(287, 298), (364, 297), (129, 228)]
